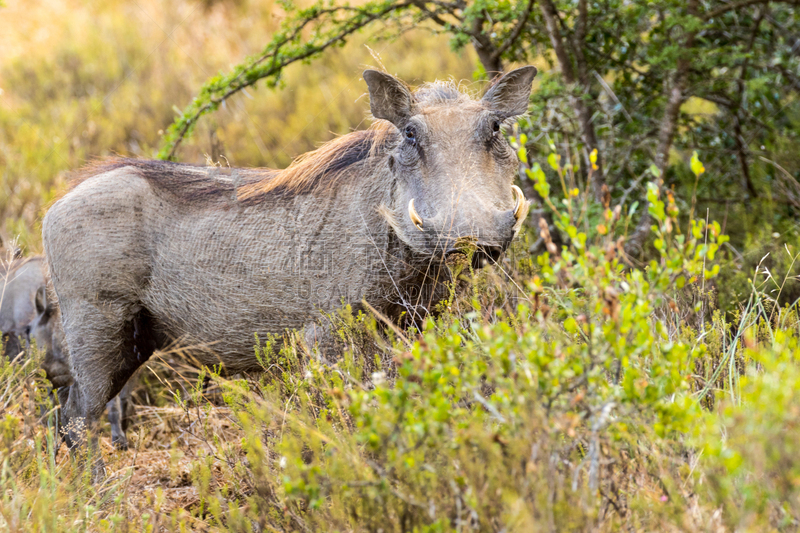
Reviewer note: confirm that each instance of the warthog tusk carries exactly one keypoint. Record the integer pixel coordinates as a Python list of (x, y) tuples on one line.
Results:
[(415, 218), (519, 200)]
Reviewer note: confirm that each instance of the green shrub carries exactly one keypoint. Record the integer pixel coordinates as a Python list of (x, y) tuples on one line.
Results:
[(753, 469)]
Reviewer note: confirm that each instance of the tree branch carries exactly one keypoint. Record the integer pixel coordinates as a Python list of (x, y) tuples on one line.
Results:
[(515, 33), (484, 47), (714, 13), (716, 99), (579, 39), (554, 34), (431, 14), (669, 125), (219, 89), (741, 145)]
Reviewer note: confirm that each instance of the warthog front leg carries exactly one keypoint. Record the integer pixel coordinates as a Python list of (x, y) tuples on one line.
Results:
[(120, 411), (103, 356), (119, 417), (76, 429)]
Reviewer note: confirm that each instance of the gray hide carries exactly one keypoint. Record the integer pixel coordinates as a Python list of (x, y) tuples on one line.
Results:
[(145, 253)]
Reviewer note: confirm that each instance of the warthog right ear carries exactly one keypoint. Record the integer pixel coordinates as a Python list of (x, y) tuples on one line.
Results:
[(389, 98), (510, 94)]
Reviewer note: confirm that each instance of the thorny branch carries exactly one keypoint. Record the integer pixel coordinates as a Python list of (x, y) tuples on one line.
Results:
[(220, 89), (330, 30)]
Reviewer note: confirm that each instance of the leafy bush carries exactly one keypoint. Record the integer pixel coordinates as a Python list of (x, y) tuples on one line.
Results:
[(752, 471)]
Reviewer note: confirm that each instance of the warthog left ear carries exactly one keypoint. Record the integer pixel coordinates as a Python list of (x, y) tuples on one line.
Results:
[(389, 98), (40, 301), (510, 94)]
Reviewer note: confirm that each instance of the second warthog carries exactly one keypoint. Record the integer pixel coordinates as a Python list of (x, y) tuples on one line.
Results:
[(19, 281), (143, 252)]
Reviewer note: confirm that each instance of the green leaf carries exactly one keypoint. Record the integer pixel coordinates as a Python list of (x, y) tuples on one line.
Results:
[(697, 165), (571, 326), (553, 160)]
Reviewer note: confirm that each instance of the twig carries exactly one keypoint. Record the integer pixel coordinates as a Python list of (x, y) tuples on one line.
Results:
[(250, 74)]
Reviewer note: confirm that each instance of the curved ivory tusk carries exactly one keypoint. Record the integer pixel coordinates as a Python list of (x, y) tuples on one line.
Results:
[(415, 218), (519, 201)]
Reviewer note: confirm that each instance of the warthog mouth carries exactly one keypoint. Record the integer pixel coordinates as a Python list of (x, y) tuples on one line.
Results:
[(478, 254)]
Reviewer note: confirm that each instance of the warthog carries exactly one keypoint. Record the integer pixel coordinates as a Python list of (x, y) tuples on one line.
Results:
[(45, 329), (19, 281), (142, 253), (26, 315)]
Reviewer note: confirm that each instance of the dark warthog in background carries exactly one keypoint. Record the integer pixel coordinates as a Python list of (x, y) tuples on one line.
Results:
[(143, 252), (26, 315), (19, 281)]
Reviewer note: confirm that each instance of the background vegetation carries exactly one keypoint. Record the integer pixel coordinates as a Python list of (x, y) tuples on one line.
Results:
[(633, 364)]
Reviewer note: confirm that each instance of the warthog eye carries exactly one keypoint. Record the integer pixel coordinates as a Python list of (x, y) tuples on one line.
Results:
[(495, 126), (411, 134)]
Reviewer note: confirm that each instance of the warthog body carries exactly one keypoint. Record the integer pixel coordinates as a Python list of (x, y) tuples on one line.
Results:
[(142, 253), (19, 282)]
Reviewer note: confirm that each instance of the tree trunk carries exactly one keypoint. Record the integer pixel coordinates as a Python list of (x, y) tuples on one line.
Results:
[(583, 110), (486, 50), (666, 134)]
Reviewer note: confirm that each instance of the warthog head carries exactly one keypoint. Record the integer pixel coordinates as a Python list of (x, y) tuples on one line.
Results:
[(453, 166)]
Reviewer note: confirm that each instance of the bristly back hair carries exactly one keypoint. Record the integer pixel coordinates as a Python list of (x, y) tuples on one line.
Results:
[(312, 171), (322, 168)]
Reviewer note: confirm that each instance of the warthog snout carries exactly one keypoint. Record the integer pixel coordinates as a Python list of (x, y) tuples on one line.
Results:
[(469, 227), (518, 211)]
